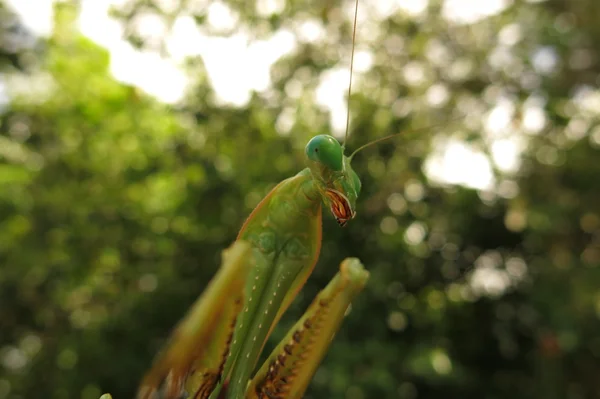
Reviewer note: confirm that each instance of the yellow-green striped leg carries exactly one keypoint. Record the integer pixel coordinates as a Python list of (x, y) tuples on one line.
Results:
[(291, 366), (192, 361)]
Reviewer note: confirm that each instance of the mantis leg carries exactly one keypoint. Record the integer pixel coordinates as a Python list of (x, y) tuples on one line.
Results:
[(291, 366), (192, 361)]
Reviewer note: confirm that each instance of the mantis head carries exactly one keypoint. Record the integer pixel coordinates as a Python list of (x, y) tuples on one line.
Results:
[(338, 184)]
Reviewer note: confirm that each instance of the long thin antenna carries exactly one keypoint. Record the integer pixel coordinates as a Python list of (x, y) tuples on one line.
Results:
[(351, 71), (391, 136)]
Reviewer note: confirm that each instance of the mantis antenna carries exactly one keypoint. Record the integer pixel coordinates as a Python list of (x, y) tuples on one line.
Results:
[(391, 136), (351, 70)]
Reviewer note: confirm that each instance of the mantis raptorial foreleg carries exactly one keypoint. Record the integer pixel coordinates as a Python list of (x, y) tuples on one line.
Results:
[(290, 367), (199, 344), (193, 360)]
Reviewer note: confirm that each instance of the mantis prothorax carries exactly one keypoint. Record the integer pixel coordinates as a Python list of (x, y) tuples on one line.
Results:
[(220, 340)]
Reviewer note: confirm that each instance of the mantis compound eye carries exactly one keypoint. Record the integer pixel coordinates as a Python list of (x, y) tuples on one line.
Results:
[(326, 150)]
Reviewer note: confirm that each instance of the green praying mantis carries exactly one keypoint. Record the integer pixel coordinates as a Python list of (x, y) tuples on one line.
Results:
[(214, 350)]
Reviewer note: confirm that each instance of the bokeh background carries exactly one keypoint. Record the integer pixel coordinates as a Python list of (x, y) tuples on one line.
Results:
[(136, 136)]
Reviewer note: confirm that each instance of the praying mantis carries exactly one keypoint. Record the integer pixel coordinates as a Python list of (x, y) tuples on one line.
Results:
[(214, 350)]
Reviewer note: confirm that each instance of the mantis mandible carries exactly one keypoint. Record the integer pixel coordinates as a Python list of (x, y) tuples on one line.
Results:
[(214, 350)]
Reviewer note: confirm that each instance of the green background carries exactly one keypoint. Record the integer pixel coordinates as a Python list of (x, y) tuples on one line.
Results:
[(114, 207)]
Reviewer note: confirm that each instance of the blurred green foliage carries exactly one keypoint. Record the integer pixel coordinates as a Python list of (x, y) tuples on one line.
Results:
[(114, 207)]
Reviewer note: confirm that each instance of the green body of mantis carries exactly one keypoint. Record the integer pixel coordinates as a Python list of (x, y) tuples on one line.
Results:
[(276, 251), (285, 233), (220, 340)]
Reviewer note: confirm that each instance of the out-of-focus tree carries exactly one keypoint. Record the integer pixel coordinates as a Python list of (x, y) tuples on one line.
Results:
[(114, 207)]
